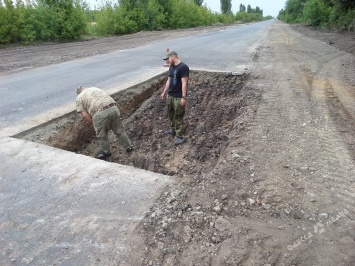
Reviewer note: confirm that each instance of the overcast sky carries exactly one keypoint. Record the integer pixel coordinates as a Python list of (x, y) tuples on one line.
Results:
[(269, 7)]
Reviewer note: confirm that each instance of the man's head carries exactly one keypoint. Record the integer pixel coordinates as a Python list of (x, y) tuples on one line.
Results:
[(171, 53), (79, 89), (171, 58)]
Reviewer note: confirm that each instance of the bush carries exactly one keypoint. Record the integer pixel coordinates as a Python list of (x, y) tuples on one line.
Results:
[(57, 20), (248, 17), (322, 13), (316, 13), (155, 18), (342, 20), (8, 23), (52, 20)]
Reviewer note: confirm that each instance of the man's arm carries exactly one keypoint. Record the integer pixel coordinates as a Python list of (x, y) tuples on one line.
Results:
[(87, 117), (162, 96), (184, 82)]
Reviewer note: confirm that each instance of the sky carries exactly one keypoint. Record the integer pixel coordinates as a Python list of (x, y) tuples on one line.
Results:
[(269, 7)]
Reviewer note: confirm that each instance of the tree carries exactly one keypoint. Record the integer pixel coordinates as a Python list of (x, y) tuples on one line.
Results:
[(226, 6), (344, 4), (343, 14), (258, 10), (132, 4), (316, 12), (293, 11), (248, 9), (324, 13), (242, 8), (198, 2), (8, 21)]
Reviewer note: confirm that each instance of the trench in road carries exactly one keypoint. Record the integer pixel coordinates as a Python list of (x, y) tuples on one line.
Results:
[(215, 100)]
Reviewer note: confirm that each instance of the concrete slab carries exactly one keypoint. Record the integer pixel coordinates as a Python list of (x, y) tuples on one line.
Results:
[(58, 207)]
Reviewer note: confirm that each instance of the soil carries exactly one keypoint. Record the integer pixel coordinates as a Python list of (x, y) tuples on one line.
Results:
[(266, 176)]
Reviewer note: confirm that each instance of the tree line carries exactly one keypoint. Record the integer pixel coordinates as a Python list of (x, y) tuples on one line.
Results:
[(338, 14), (42, 20), (26, 21)]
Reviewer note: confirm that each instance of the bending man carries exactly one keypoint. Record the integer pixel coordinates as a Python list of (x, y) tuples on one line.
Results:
[(99, 109)]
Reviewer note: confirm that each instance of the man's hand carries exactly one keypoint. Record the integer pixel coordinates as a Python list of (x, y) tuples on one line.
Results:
[(183, 102), (87, 117), (162, 96)]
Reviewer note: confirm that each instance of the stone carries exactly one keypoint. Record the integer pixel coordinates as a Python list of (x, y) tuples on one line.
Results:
[(223, 224), (251, 202)]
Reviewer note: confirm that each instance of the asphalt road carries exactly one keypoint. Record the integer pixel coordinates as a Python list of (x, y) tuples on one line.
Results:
[(34, 92)]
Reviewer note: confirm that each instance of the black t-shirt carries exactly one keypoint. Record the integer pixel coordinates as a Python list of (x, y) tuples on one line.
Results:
[(175, 74)]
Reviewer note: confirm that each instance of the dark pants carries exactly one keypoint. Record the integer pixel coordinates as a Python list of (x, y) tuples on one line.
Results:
[(106, 120), (176, 115)]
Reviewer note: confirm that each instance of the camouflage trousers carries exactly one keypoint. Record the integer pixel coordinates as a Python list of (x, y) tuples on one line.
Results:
[(106, 120), (176, 115)]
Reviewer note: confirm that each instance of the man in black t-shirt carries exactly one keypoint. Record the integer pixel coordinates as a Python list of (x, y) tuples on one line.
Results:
[(176, 88)]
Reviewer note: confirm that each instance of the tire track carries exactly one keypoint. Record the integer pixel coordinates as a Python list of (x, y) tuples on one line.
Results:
[(328, 154), (300, 164)]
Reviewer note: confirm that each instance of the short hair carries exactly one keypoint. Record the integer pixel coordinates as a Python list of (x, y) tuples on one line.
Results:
[(79, 89)]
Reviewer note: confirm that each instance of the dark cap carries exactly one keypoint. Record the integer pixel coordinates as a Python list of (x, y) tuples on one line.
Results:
[(169, 54)]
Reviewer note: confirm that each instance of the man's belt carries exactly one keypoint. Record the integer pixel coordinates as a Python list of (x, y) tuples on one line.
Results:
[(107, 106)]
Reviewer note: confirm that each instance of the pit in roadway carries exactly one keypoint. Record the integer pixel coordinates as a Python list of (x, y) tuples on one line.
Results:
[(217, 106)]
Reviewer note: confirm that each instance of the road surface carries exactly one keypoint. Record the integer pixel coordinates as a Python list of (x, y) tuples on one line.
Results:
[(41, 91)]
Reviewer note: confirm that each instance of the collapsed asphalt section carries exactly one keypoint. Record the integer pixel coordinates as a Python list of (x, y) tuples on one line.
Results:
[(215, 99)]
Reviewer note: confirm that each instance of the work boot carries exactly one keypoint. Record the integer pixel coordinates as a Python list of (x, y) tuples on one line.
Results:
[(179, 140), (102, 155)]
